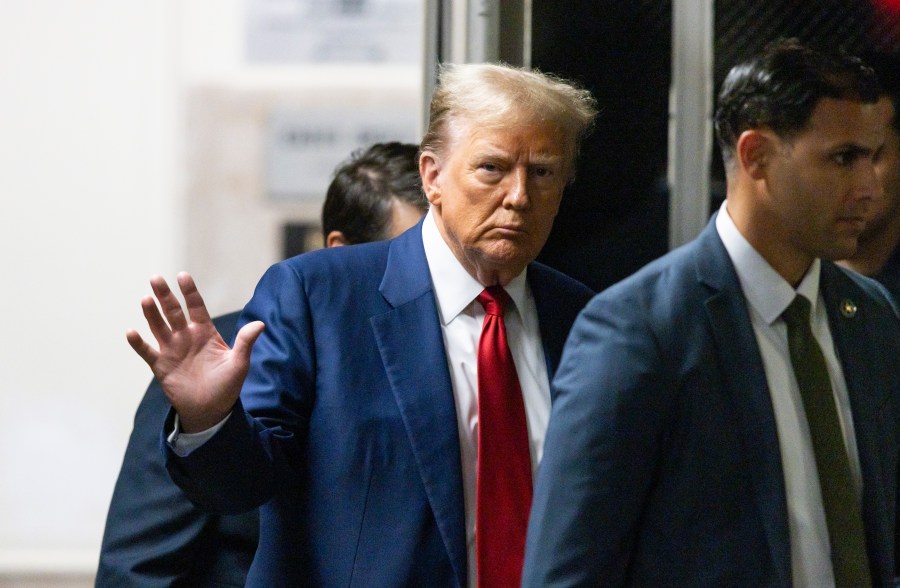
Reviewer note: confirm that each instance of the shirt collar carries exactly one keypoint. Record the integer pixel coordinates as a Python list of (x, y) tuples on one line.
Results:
[(763, 287), (454, 287)]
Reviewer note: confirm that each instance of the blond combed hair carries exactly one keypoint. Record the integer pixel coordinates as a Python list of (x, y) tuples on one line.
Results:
[(495, 95)]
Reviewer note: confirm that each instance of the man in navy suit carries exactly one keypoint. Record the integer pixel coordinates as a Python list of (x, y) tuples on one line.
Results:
[(355, 421), (679, 451), (154, 535)]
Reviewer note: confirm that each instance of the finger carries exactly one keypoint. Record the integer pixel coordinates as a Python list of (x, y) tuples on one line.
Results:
[(158, 326), (147, 353), (195, 306), (170, 305), (243, 342)]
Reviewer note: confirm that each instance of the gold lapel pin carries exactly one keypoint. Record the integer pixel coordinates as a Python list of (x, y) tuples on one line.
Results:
[(848, 308)]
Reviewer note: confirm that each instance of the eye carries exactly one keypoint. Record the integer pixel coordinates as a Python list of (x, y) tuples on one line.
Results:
[(490, 167), (843, 158), (543, 172), (850, 155)]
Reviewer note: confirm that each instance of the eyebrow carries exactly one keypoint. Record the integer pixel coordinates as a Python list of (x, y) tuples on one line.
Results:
[(536, 159), (854, 149), (546, 159)]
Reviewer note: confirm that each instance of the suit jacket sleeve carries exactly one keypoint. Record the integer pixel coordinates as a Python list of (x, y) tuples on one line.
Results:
[(154, 536), (252, 458)]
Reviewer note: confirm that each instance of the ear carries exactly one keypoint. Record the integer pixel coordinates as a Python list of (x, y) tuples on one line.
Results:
[(336, 239), (430, 171), (754, 150)]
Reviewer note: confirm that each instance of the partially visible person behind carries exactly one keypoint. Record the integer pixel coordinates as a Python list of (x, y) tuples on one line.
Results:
[(730, 414), (391, 417), (154, 535), (375, 195), (878, 254)]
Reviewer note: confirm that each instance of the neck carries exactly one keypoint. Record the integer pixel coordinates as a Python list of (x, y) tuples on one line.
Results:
[(757, 229), (486, 275)]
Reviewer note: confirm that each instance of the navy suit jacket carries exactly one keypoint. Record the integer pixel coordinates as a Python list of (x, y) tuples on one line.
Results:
[(889, 275), (347, 427), (661, 464), (154, 536)]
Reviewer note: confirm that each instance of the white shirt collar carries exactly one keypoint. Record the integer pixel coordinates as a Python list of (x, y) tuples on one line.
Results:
[(764, 288), (454, 287)]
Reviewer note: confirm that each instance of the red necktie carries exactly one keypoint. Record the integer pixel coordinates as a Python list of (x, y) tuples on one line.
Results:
[(503, 480)]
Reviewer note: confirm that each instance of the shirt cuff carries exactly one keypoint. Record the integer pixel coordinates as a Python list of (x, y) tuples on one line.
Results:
[(182, 444)]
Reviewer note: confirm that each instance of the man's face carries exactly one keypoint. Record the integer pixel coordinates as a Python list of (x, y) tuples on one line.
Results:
[(820, 184), (495, 193), (886, 204)]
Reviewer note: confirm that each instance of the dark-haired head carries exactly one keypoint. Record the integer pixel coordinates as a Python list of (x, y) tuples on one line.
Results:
[(779, 89), (887, 70), (367, 186)]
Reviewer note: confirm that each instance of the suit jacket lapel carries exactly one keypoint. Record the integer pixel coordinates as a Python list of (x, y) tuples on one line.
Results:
[(412, 350), (554, 328), (744, 376), (850, 317)]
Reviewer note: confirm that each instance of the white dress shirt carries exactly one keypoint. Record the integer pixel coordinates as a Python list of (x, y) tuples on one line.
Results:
[(461, 318), (768, 295)]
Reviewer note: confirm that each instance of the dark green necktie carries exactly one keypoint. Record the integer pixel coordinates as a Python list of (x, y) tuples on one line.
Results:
[(845, 528)]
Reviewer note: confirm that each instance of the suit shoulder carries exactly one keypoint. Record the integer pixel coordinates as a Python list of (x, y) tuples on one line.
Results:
[(351, 265), (324, 284), (334, 258), (665, 300), (543, 276)]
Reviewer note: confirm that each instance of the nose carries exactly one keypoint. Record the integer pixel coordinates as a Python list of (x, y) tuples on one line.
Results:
[(868, 184), (517, 189)]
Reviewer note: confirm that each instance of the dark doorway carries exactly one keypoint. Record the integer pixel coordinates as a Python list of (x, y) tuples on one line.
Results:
[(614, 216)]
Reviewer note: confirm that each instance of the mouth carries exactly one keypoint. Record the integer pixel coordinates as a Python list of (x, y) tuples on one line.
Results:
[(510, 229), (853, 223)]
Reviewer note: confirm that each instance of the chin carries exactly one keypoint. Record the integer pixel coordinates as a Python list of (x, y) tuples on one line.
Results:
[(509, 265), (841, 250), (505, 253)]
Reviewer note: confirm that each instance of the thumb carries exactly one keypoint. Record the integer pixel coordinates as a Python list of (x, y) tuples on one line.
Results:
[(243, 342)]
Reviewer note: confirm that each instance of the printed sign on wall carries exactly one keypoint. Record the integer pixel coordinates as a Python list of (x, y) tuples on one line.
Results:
[(330, 31), (304, 146)]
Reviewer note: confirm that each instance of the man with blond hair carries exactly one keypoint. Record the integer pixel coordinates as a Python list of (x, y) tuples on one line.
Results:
[(392, 413)]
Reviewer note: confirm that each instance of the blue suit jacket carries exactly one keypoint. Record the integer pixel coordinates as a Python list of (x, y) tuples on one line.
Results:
[(662, 465), (347, 427), (154, 536), (889, 275)]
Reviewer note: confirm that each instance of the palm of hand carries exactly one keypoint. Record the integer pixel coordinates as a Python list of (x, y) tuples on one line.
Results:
[(200, 374)]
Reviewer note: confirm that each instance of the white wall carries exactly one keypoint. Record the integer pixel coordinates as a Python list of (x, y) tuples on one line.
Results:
[(86, 181), (94, 200)]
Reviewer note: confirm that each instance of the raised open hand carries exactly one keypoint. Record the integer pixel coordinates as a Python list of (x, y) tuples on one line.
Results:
[(200, 374)]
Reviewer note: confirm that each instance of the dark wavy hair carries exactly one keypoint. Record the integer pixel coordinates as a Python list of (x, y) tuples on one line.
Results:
[(361, 195), (779, 89), (887, 70)]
